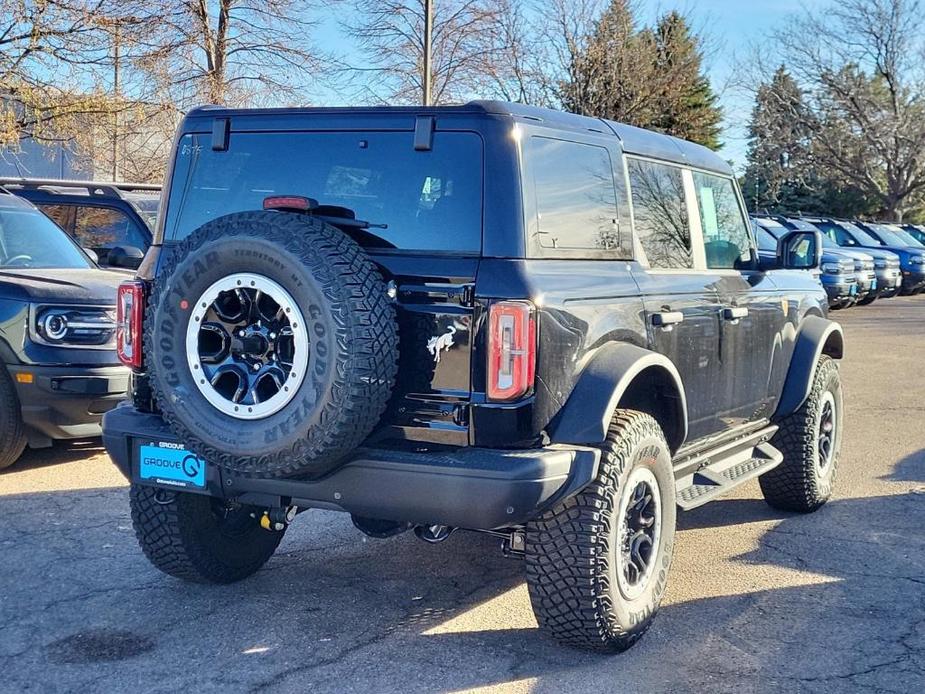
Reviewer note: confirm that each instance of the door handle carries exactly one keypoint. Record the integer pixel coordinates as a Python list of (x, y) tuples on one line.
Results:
[(734, 313), (666, 319)]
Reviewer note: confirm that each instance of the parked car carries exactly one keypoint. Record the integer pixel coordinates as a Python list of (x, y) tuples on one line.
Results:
[(836, 273), (115, 220), (448, 317), (891, 274), (59, 372), (893, 236)]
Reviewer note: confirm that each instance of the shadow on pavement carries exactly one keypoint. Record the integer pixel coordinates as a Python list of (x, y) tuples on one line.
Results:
[(60, 452), (909, 469), (82, 607)]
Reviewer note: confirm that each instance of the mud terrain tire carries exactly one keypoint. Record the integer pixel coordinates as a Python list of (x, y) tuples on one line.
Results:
[(294, 280)]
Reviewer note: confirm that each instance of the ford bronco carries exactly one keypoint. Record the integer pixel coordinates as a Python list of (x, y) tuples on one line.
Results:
[(548, 327)]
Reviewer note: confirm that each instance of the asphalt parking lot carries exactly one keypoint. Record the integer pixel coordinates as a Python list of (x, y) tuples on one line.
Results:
[(758, 600)]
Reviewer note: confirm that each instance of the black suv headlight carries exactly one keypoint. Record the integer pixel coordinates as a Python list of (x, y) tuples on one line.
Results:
[(73, 326)]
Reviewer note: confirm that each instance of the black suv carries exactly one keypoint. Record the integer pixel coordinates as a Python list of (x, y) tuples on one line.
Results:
[(60, 372), (114, 220), (544, 326)]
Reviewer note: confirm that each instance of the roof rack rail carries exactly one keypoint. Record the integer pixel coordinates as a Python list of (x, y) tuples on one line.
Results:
[(92, 187)]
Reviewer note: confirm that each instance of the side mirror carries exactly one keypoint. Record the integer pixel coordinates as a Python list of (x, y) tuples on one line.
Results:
[(93, 256), (128, 257), (799, 250)]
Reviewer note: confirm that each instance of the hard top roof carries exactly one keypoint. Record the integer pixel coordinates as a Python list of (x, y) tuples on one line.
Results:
[(634, 140)]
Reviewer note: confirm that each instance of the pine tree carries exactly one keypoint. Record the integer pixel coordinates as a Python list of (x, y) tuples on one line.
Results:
[(651, 78), (687, 106), (779, 174)]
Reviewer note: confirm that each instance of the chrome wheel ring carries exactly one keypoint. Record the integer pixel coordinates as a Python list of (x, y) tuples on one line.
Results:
[(247, 346), (639, 515)]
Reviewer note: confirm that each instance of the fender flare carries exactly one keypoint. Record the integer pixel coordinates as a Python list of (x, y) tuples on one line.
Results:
[(585, 417), (817, 336)]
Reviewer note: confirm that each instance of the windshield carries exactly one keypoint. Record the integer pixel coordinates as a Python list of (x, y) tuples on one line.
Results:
[(413, 200), (902, 236), (29, 239), (847, 234)]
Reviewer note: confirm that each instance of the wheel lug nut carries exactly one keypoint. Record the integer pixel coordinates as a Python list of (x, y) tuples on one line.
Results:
[(241, 333)]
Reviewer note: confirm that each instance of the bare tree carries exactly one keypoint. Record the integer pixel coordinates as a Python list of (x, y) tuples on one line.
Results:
[(390, 34), (44, 48), (861, 64), (228, 51)]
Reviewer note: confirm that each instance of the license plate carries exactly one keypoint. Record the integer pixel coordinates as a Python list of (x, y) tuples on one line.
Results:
[(873, 284), (853, 290), (171, 465)]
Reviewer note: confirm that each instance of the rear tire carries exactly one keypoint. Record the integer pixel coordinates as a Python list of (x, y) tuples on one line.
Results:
[(12, 430), (193, 537), (810, 440), (583, 574)]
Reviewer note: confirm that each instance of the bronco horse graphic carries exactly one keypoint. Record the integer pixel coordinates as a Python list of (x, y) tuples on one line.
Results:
[(440, 343)]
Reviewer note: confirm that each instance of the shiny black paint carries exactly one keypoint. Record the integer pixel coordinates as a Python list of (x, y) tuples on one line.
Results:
[(733, 371)]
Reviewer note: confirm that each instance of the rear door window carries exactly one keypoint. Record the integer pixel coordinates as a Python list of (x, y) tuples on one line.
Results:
[(575, 199), (413, 200), (660, 213)]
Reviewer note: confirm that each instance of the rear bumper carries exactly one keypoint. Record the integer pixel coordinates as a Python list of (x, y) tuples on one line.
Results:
[(66, 402), (477, 488)]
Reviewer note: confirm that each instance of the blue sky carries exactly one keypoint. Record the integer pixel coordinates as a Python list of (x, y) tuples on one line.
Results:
[(735, 27)]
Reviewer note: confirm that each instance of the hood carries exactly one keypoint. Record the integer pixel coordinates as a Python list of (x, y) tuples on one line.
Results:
[(830, 256), (904, 252), (84, 286), (854, 255), (876, 253)]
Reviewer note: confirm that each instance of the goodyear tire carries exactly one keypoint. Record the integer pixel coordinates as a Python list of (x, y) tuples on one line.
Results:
[(810, 440), (271, 344), (597, 565), (197, 538)]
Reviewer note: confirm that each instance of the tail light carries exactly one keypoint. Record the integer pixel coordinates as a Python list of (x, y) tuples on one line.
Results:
[(129, 308), (511, 350)]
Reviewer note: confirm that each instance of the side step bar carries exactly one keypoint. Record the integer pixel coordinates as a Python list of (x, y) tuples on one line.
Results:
[(720, 474)]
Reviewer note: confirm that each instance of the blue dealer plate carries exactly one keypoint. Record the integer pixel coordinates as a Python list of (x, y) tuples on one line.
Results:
[(175, 467)]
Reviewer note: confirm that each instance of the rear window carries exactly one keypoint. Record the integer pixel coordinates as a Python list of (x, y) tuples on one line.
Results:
[(414, 200)]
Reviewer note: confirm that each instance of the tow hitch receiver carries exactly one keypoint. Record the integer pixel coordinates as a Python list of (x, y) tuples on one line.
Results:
[(276, 519)]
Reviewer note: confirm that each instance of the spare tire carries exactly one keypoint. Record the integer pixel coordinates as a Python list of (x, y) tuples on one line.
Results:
[(271, 344)]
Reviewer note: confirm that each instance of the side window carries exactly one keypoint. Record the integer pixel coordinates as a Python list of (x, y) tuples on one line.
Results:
[(104, 227), (576, 202), (59, 214), (725, 232), (660, 211)]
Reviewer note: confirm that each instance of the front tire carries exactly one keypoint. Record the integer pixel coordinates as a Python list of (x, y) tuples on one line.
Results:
[(197, 538), (597, 565), (12, 431), (810, 440)]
